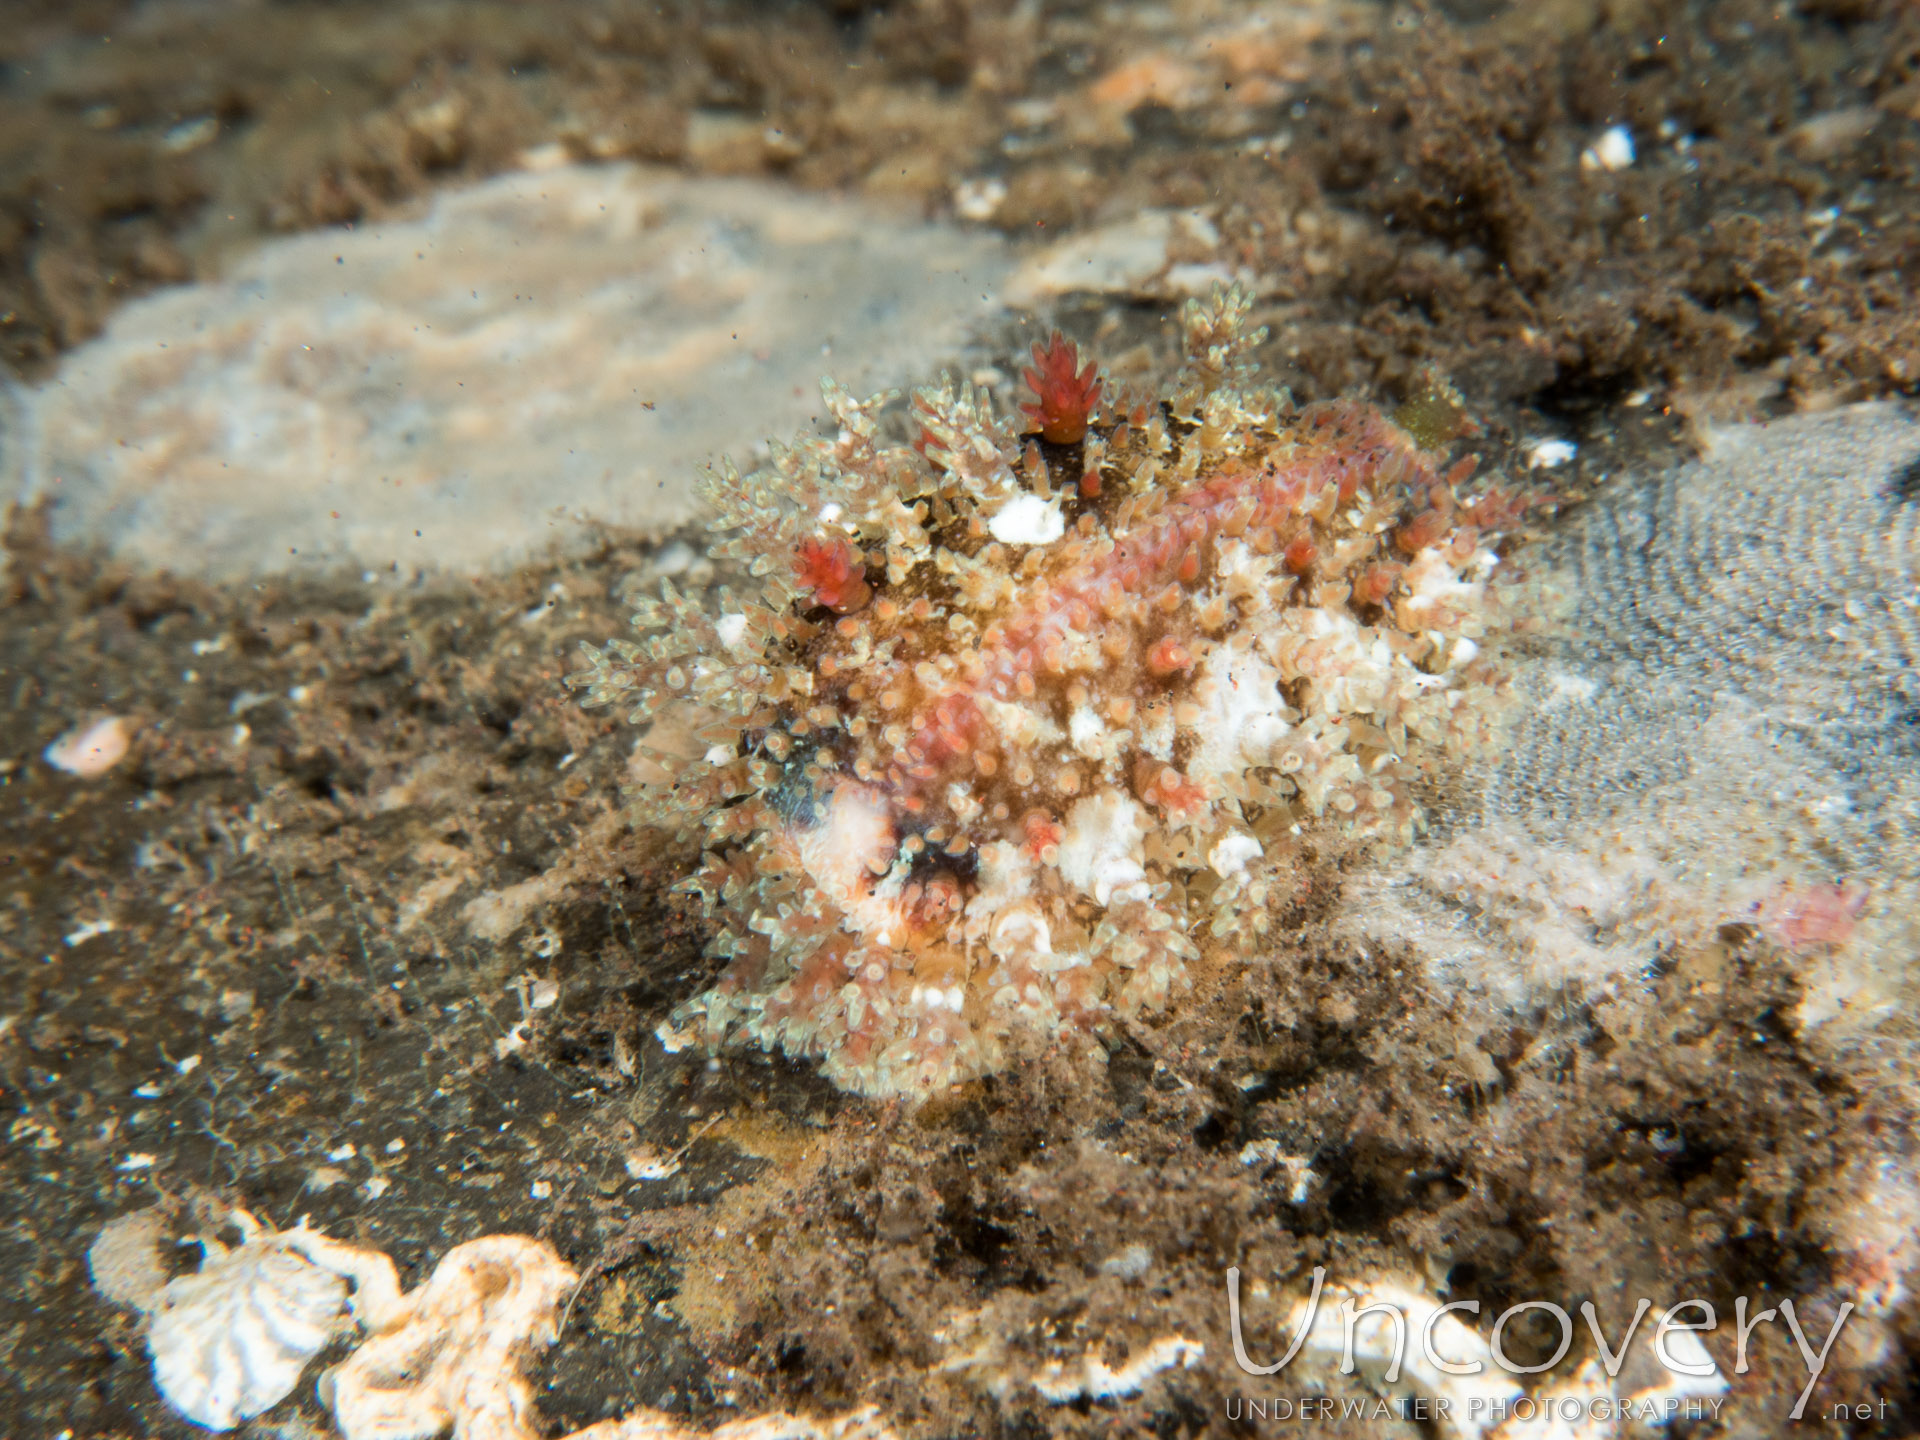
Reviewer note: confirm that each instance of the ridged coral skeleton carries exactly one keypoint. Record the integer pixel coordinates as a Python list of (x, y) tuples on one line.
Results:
[(1007, 731)]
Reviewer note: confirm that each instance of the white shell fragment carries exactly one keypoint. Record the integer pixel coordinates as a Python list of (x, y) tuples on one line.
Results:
[(1612, 150), (124, 1259), (1550, 454), (230, 1341), (1094, 1379), (91, 750)]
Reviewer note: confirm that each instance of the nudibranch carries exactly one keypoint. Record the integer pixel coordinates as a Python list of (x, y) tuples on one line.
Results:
[(1009, 726)]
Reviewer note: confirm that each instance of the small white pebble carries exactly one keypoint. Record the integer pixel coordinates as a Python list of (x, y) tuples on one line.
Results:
[(545, 994), (188, 1065), (1550, 454), (979, 199), (1612, 151), (377, 1186), (541, 1190), (138, 1160), (87, 931), (344, 1152), (91, 751), (396, 1145)]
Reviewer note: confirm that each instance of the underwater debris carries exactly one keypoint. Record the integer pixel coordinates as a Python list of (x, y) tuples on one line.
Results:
[(449, 1353), (1373, 1327), (124, 1260), (957, 791), (1611, 150), (1094, 1379), (994, 1348), (1300, 1178), (89, 751), (229, 1341)]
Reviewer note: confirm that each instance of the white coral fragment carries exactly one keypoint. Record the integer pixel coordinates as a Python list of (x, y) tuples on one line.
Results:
[(1398, 1337), (449, 1352), (1550, 454), (1094, 1379), (230, 1341)]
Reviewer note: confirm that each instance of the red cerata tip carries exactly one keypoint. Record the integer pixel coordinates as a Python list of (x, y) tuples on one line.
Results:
[(1064, 395)]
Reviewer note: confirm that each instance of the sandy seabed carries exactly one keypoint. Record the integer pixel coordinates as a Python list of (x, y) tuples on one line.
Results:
[(357, 927)]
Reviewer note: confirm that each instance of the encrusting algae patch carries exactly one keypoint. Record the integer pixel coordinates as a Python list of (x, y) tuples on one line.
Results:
[(1013, 723)]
